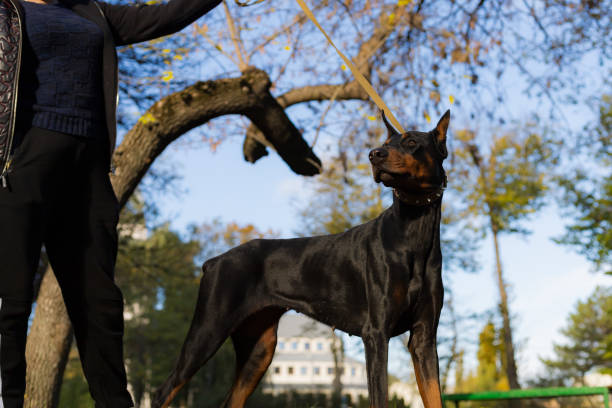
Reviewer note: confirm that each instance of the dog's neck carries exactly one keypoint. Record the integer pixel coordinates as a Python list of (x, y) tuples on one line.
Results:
[(410, 217), (412, 228), (407, 210)]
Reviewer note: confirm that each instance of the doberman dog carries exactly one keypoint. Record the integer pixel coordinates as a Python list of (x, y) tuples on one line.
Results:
[(377, 280)]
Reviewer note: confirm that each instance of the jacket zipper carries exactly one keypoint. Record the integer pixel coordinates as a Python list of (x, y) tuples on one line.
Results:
[(7, 165)]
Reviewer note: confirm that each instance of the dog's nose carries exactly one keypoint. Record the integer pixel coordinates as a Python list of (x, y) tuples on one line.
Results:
[(378, 154)]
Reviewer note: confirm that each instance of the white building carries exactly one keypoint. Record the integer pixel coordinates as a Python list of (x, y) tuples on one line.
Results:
[(304, 361)]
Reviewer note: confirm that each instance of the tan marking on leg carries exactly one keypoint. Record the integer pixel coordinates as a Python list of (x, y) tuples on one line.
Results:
[(244, 387), (175, 391), (429, 390)]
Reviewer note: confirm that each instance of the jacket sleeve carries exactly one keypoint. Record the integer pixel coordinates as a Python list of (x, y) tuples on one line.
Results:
[(132, 24)]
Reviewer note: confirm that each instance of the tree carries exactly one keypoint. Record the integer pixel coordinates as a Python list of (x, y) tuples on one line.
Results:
[(588, 340), (587, 192), (271, 49), (490, 373), (502, 189)]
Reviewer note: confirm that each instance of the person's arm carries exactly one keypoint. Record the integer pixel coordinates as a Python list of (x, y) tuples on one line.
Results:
[(132, 24)]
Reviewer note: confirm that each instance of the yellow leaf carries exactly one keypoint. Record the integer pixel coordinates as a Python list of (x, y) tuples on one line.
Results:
[(147, 118), (287, 48), (150, 2), (343, 67), (178, 57), (218, 46), (168, 75), (391, 18), (451, 99), (402, 3), (166, 50), (371, 117), (427, 117)]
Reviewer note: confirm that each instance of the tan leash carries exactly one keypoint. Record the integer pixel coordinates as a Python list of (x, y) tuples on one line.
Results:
[(365, 84)]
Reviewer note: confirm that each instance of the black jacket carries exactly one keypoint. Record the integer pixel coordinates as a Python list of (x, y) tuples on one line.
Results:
[(121, 24)]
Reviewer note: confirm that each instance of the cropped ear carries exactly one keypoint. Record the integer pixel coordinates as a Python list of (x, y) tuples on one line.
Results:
[(390, 128), (439, 133)]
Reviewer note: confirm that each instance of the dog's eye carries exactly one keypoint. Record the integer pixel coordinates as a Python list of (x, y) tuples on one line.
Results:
[(410, 142)]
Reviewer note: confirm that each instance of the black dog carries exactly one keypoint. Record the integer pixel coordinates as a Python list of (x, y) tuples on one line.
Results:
[(377, 280)]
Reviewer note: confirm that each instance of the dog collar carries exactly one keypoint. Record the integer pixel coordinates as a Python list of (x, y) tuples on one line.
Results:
[(421, 198)]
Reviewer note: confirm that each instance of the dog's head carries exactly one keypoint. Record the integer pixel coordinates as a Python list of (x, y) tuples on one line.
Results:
[(412, 161)]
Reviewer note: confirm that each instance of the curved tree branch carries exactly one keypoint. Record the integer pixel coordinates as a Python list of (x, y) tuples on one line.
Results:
[(182, 111)]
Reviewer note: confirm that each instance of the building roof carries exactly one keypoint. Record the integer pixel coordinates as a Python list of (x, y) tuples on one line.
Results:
[(299, 325)]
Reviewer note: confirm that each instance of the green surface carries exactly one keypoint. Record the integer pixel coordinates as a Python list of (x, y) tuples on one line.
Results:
[(531, 393)]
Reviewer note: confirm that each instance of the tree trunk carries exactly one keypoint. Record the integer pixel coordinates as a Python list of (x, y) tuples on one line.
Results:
[(488, 181), (454, 353), (337, 349), (48, 346), (505, 312)]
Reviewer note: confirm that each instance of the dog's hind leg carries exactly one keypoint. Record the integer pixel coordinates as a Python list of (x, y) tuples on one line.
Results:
[(254, 342), (200, 345), (376, 345), (209, 329)]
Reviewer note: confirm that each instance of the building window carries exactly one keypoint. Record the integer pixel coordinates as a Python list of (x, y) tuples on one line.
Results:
[(303, 370), (281, 345), (290, 370), (320, 346), (316, 370), (306, 346), (276, 370), (330, 370), (353, 371), (294, 345)]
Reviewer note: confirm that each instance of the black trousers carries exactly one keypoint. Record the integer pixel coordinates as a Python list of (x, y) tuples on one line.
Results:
[(60, 195)]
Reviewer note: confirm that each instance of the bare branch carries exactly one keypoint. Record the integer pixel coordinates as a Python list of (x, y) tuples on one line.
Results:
[(235, 36)]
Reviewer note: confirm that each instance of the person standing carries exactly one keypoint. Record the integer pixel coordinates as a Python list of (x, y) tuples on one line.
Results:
[(58, 90)]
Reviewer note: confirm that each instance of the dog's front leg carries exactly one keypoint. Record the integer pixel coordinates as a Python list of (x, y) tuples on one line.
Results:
[(422, 346), (376, 349)]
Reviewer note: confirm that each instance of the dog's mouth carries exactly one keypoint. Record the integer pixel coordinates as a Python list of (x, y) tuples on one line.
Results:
[(403, 181), (386, 176)]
